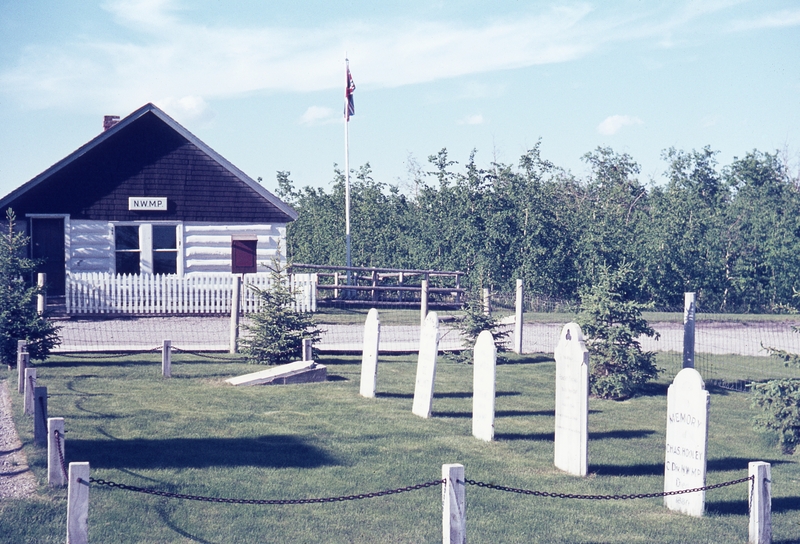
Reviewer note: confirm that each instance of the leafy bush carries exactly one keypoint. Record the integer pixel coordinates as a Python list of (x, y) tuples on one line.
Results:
[(19, 319), (611, 322), (277, 330), (474, 322), (780, 402)]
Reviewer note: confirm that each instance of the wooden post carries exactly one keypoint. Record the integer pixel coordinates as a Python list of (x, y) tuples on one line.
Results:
[(518, 318), (688, 329), (400, 283), (423, 302), (760, 503), (78, 504), (454, 520), (55, 449), (40, 416), (336, 283), (487, 302), (30, 384), (458, 289), (41, 298), (166, 359), (307, 355), (235, 308), (374, 284), (22, 363)]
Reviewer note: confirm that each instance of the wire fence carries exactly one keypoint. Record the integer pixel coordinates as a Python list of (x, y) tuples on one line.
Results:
[(730, 350)]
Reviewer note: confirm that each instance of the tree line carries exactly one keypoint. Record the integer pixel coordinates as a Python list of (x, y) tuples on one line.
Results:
[(729, 233)]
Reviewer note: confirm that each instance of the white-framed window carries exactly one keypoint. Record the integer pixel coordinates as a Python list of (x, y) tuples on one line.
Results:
[(148, 248)]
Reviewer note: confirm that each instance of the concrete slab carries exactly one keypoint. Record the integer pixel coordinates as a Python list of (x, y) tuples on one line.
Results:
[(297, 372)]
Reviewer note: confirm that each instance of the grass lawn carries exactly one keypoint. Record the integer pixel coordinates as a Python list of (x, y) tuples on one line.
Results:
[(194, 434)]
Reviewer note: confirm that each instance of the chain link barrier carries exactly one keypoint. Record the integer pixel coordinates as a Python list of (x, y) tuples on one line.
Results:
[(606, 497), (83, 355), (207, 356), (201, 498), (60, 448)]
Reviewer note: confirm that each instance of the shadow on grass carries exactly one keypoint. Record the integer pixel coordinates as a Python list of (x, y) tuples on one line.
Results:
[(741, 508), (738, 463), (537, 437), (167, 519), (624, 435), (454, 395), (525, 360), (499, 413), (275, 451), (336, 378)]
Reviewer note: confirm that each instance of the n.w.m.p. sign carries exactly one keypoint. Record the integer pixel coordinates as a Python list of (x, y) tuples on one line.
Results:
[(147, 203)]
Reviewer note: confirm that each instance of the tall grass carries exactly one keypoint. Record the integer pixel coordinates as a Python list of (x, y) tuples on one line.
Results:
[(195, 434)]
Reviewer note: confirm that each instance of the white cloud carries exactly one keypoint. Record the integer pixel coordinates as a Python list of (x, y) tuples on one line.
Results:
[(316, 115), (472, 120), (779, 19), (613, 124), (187, 108)]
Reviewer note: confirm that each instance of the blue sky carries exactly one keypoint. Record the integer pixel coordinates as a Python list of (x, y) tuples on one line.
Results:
[(263, 82)]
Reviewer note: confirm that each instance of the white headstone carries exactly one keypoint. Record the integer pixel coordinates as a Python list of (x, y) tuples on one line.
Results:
[(572, 401), (687, 441), (369, 354), (296, 372), (483, 386), (426, 366)]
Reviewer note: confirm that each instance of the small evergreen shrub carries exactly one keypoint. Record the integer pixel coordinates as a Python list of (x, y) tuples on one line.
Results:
[(779, 401), (277, 330), (474, 322), (19, 319), (612, 321)]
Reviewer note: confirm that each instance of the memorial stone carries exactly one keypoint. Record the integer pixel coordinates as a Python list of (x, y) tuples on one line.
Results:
[(572, 402), (687, 440), (426, 366), (369, 354), (483, 387)]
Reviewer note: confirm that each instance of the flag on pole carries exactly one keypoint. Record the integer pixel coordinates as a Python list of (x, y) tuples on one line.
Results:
[(350, 87)]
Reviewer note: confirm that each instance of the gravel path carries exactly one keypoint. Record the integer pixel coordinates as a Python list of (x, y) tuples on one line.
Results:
[(16, 479)]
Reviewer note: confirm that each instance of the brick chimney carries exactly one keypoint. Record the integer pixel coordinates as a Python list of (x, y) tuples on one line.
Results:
[(109, 121)]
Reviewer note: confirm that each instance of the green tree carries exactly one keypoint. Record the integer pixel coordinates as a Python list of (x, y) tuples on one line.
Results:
[(612, 321), (473, 323), (276, 332), (19, 319)]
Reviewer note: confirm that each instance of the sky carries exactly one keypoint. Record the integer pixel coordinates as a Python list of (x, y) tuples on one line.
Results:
[(262, 83)]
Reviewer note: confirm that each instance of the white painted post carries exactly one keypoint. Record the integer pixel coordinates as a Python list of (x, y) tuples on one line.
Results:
[(22, 363), (30, 383), (78, 504), (423, 303), (55, 472), (166, 359), (688, 329), (40, 416), (484, 374), (454, 519), (487, 302), (426, 367), (369, 354), (518, 318), (760, 503), (235, 308), (307, 353), (41, 299), (571, 450)]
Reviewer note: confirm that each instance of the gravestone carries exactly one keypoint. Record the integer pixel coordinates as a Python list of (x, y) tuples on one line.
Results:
[(687, 441), (483, 386), (572, 401), (297, 372), (426, 366), (369, 354)]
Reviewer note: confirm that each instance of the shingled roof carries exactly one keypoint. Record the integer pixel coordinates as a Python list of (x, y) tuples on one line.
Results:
[(148, 154)]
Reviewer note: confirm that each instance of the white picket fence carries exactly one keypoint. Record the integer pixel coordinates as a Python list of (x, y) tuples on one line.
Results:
[(98, 293)]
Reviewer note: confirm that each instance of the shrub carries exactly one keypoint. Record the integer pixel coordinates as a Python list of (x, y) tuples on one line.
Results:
[(277, 330), (474, 322), (611, 322), (780, 402), (19, 319)]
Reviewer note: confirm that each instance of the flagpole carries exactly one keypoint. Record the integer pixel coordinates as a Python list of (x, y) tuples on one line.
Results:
[(347, 175)]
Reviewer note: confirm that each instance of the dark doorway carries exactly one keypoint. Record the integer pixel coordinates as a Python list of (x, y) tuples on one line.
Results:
[(47, 245)]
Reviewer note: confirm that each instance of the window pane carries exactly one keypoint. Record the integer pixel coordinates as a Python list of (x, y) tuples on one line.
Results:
[(165, 262), (164, 237), (127, 262), (126, 237)]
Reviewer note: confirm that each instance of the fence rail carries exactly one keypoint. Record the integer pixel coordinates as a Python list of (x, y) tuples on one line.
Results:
[(142, 294)]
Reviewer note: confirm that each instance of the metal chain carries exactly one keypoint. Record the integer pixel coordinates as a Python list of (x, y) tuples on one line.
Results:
[(59, 445), (115, 356), (201, 354), (606, 497), (167, 494)]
